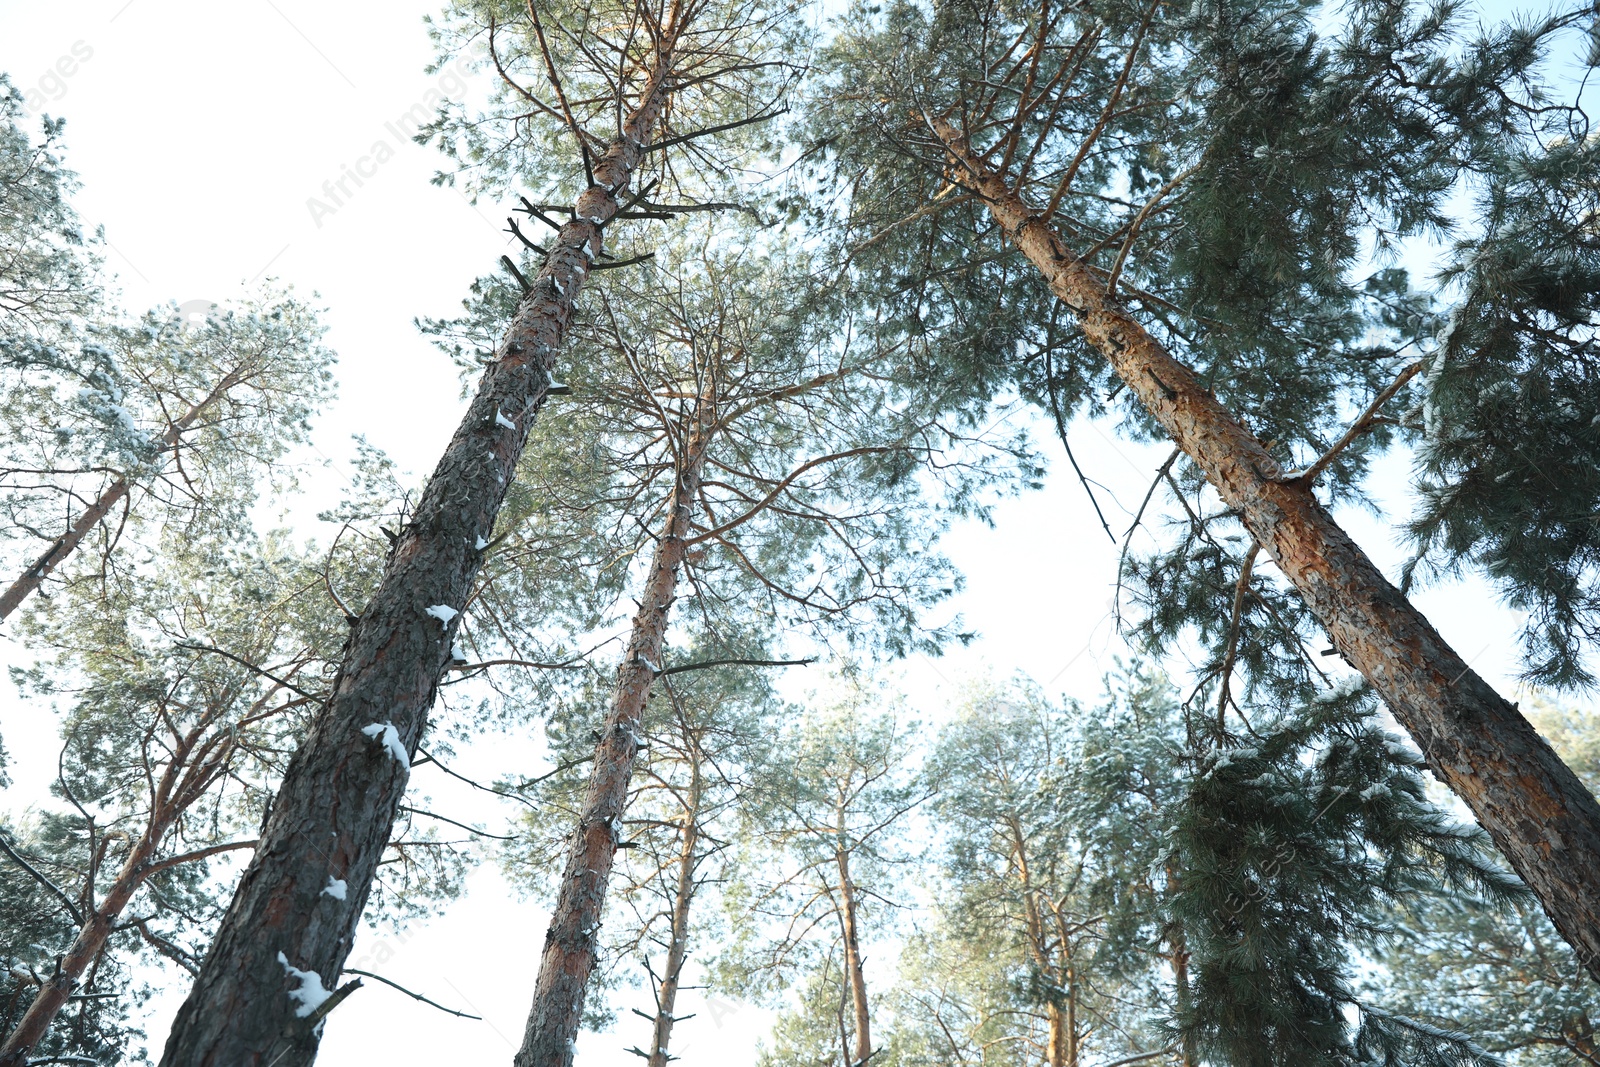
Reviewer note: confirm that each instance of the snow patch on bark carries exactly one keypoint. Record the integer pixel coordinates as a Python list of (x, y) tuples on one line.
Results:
[(336, 888), (311, 993), (501, 420), (443, 612), (386, 735)]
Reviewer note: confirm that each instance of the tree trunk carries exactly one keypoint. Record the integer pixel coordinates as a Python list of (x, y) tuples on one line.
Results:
[(1534, 808), (1055, 1054), (854, 972), (1179, 944), (678, 951), (569, 947), (332, 816), (1056, 1025), (1071, 1051), (86, 947), (34, 576)]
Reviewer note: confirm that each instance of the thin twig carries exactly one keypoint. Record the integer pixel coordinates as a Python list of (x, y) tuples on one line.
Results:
[(1138, 221), (409, 993), (704, 664), (429, 757), (248, 666), (670, 141), (327, 578), (452, 822), (60, 893), (1061, 432)]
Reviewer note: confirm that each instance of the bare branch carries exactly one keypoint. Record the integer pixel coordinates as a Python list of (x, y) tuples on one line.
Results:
[(409, 993)]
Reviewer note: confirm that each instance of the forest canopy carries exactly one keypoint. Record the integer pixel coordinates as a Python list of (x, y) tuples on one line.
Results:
[(667, 662)]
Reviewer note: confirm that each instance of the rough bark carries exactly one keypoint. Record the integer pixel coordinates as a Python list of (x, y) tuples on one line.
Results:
[(678, 950), (1534, 808), (854, 971), (95, 513), (332, 816), (570, 942)]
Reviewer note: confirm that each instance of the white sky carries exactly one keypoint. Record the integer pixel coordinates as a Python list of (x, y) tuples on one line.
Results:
[(200, 130)]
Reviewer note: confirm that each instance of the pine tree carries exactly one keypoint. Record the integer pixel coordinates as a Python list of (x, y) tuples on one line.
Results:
[(1220, 168), (728, 363), (348, 777), (148, 422), (818, 874), (181, 685), (152, 423), (706, 739), (1047, 944)]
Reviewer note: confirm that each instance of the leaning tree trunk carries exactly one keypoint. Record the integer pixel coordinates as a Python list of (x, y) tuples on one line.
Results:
[(570, 942), (855, 972), (332, 816), (114, 494), (678, 950), (1534, 808)]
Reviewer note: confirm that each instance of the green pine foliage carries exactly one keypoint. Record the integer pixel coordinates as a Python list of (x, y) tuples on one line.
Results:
[(1294, 847), (1510, 459)]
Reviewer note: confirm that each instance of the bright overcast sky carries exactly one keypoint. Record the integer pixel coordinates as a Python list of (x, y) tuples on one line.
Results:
[(200, 132)]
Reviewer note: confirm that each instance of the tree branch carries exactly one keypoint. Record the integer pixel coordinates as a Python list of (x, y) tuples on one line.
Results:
[(704, 664), (60, 894), (409, 993)]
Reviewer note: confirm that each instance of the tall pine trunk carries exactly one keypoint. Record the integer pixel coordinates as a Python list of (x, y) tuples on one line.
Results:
[(570, 942), (678, 950), (114, 494), (1534, 808), (855, 973), (332, 816)]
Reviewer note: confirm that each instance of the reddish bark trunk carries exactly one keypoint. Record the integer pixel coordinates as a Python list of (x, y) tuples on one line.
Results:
[(569, 947), (854, 970), (92, 516), (333, 814), (1538, 813), (1059, 1028)]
